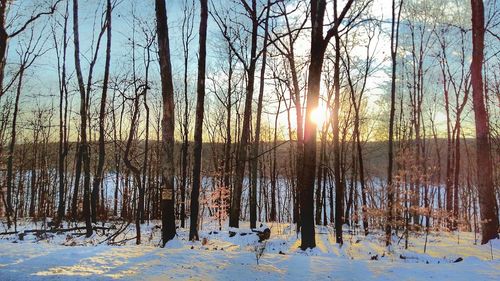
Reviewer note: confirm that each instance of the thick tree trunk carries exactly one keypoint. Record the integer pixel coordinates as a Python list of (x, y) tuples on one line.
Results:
[(307, 171), (198, 130), (489, 216), (167, 89)]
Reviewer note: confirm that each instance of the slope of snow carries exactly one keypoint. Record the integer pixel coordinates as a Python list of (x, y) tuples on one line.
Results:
[(220, 257)]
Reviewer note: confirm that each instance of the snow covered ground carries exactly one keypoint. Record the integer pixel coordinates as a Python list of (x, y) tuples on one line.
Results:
[(220, 257)]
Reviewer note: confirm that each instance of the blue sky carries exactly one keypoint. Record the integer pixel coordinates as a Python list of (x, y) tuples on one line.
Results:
[(41, 83)]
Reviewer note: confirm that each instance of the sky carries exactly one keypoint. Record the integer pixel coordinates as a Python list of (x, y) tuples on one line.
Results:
[(41, 87)]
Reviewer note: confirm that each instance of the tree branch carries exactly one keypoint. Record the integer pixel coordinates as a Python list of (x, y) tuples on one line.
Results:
[(34, 18)]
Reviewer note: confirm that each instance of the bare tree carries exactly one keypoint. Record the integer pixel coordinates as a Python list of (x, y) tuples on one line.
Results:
[(489, 216), (255, 148), (32, 49), (396, 15), (167, 147), (102, 117), (356, 89), (249, 63), (287, 49), (5, 35), (63, 111), (187, 37), (308, 154), (83, 150), (198, 130)]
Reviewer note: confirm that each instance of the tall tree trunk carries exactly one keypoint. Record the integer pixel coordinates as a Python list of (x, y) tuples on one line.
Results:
[(321, 174), (274, 174), (84, 147), (145, 166), (364, 207), (307, 155), (102, 116), (12, 144), (300, 130), (187, 32), (390, 185), (448, 183), (234, 216), (198, 130), (63, 111), (457, 174), (167, 90), (117, 157), (227, 146), (339, 184), (489, 216), (307, 175), (4, 37), (136, 172), (255, 148)]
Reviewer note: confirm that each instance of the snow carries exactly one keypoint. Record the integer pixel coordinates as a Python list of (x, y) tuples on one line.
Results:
[(220, 257)]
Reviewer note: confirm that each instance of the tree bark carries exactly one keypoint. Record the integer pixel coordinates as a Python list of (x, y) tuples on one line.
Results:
[(198, 130), (63, 114), (12, 144), (307, 155), (167, 150), (390, 187), (187, 32), (307, 170), (4, 37), (136, 172), (489, 216), (102, 116), (84, 147), (339, 184), (234, 216), (255, 148)]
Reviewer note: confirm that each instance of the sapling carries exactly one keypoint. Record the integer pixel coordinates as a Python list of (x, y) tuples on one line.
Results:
[(259, 250)]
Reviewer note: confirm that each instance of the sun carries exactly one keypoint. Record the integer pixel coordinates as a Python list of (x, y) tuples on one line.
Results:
[(320, 115)]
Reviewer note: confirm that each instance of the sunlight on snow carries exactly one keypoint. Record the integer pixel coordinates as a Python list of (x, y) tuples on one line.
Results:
[(111, 264), (222, 256)]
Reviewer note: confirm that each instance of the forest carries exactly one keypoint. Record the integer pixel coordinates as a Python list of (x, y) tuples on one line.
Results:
[(278, 131)]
